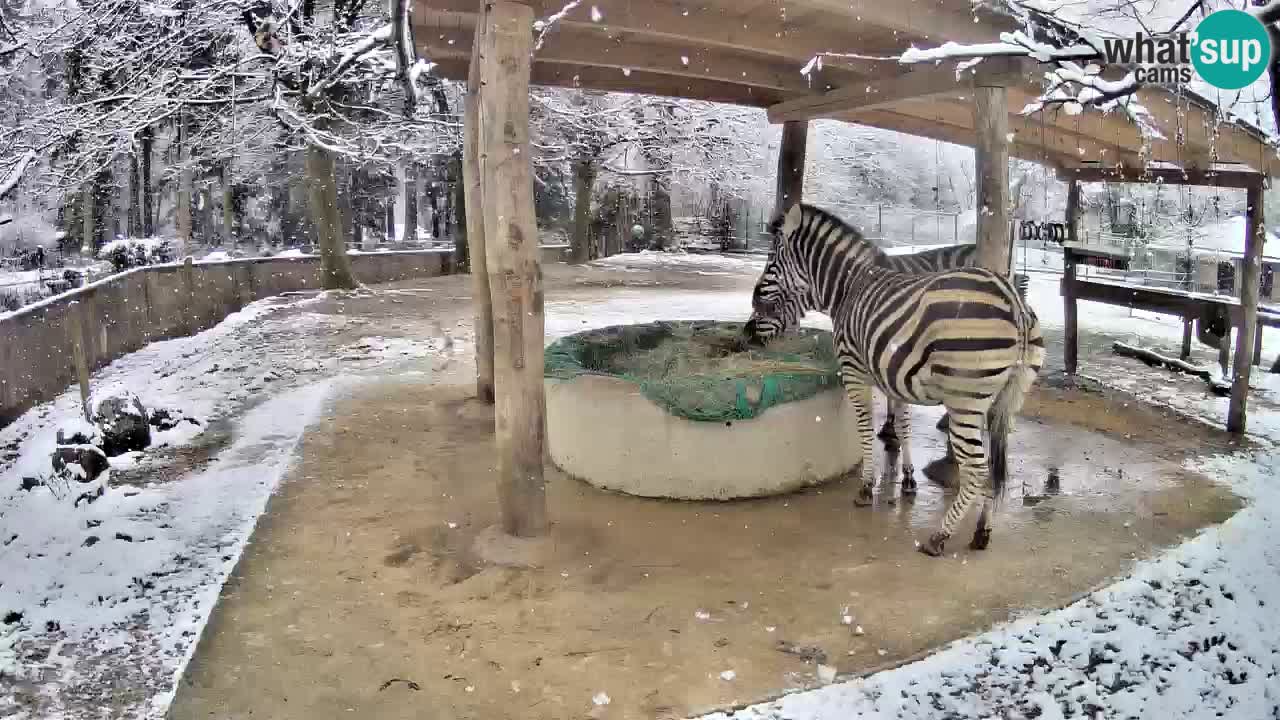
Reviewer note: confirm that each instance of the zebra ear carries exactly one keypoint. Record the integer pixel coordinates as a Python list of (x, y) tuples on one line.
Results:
[(792, 221)]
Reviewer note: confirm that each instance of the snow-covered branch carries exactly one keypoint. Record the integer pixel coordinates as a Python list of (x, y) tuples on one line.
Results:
[(1067, 83), (8, 184)]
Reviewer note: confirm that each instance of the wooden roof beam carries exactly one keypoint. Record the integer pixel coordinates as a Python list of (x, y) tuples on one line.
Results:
[(628, 52), (927, 82), (691, 27), (1032, 141), (641, 82), (928, 19), (955, 134), (1213, 177)]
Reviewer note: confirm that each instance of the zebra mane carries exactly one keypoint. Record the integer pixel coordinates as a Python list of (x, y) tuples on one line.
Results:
[(848, 230)]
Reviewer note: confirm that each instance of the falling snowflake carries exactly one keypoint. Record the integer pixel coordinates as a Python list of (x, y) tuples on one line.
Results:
[(596, 15), (601, 698), (728, 675)]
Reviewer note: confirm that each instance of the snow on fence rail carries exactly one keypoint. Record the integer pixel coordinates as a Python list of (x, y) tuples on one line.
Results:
[(124, 312)]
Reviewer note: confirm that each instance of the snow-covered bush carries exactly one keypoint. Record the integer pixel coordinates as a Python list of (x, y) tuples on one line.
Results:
[(126, 253)]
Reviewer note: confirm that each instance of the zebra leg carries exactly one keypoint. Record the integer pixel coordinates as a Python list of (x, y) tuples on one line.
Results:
[(887, 434), (860, 397), (965, 434), (982, 535), (902, 420)]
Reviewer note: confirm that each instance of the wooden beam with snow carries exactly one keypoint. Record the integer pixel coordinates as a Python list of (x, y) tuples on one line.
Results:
[(703, 27), (511, 255), (1213, 176), (928, 82), (1250, 282), (791, 156), (473, 189), (624, 53)]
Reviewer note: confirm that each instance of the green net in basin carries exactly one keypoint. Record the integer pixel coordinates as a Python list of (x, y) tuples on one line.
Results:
[(693, 370)]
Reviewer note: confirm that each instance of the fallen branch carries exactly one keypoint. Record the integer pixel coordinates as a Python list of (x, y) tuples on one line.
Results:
[(1155, 359)]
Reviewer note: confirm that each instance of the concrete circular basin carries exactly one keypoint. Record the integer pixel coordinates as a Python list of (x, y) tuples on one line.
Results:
[(604, 428)]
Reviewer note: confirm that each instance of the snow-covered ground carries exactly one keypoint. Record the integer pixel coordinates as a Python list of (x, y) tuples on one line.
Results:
[(1191, 634), (115, 594), (700, 263)]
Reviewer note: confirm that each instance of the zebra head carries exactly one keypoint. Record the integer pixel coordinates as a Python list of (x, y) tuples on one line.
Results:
[(781, 295)]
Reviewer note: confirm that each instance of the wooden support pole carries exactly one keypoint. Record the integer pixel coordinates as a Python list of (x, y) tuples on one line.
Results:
[(473, 193), (991, 156), (1187, 324), (791, 154), (1071, 339), (511, 255), (1257, 346), (1250, 285)]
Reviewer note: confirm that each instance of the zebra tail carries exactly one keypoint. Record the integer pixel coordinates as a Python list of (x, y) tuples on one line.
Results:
[(1007, 404), (1000, 422)]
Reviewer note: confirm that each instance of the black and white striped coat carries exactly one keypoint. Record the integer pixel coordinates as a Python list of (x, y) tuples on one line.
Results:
[(927, 261), (963, 338)]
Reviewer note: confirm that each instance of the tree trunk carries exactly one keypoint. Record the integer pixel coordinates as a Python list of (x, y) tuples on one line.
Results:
[(421, 201), (133, 198), (183, 210), (229, 234), (145, 195), (584, 177), (401, 202), (459, 230), (335, 266), (660, 199), (411, 202), (87, 217)]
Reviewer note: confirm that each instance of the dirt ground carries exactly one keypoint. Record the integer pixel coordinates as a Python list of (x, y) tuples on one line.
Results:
[(359, 595)]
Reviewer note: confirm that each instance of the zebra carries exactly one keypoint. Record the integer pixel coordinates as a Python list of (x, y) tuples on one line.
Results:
[(962, 338), (927, 261)]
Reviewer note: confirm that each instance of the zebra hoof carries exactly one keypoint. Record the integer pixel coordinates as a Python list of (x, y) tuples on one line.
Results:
[(864, 497), (936, 545), (981, 539)]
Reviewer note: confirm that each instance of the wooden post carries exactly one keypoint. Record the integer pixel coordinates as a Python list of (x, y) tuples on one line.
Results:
[(79, 354), (791, 153), (511, 255), (1257, 346), (474, 198), (1186, 338), (991, 156), (1071, 339), (1251, 280)]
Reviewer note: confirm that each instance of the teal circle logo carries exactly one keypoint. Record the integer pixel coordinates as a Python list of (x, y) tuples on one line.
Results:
[(1232, 49)]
